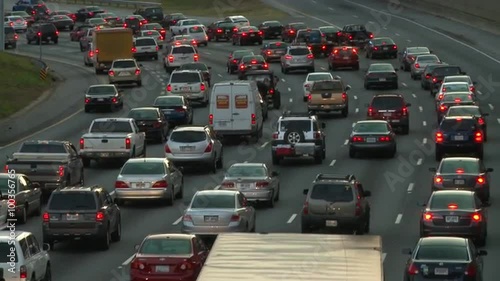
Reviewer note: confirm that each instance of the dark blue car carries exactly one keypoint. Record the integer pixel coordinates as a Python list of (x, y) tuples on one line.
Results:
[(459, 135), (176, 109)]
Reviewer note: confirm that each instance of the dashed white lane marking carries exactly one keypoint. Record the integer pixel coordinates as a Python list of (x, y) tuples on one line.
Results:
[(356, 110), (112, 193), (291, 100), (346, 142), (419, 161), (397, 34), (491, 106), (126, 262), (354, 16), (424, 141), (292, 218), (323, 68), (207, 53), (408, 40), (410, 187), (384, 255), (404, 84), (333, 163), (354, 124), (264, 144), (385, 28), (177, 221), (398, 219), (498, 120), (220, 75), (355, 97), (479, 92), (371, 22), (289, 89), (245, 162), (413, 95), (283, 80), (330, 8), (420, 109), (424, 123), (313, 1)]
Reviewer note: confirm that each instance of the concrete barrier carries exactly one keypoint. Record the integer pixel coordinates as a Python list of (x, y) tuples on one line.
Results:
[(112, 3)]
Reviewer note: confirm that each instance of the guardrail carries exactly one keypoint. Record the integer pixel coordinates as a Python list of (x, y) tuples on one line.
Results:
[(112, 3)]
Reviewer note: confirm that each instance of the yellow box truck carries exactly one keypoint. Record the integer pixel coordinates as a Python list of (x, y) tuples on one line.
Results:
[(110, 44)]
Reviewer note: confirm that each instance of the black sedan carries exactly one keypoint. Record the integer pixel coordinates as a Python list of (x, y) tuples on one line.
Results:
[(273, 50), (251, 63), (176, 109), (372, 136), (247, 35), (62, 22), (203, 68), (381, 75), (382, 47), (234, 59), (471, 110), (444, 258), (271, 29), (151, 121), (463, 173), (453, 99), (454, 213), (88, 12)]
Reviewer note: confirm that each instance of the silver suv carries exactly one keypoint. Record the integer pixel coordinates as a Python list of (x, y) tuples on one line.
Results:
[(297, 58), (125, 71), (336, 202), (179, 55), (194, 146), (190, 84)]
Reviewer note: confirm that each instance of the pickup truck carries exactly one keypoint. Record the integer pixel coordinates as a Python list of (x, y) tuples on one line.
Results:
[(356, 35), (112, 138), (50, 163), (183, 24), (314, 40)]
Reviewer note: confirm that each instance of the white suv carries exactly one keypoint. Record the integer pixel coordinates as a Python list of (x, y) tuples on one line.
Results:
[(190, 84), (179, 55), (23, 258), (145, 47)]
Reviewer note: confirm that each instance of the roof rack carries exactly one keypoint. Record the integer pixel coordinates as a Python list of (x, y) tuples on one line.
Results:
[(335, 177), (296, 114)]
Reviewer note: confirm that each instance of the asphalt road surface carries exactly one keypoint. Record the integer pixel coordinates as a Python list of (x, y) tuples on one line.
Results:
[(396, 184)]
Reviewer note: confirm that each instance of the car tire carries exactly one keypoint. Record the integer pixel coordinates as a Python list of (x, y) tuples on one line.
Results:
[(86, 162), (270, 203), (285, 70), (352, 153), (220, 161), (305, 99), (405, 130), (119, 202), (205, 44), (234, 43), (48, 274), (318, 158), (277, 198), (181, 190), (438, 154), (170, 199), (481, 240), (260, 42), (345, 112), (117, 234), (56, 41), (105, 241), (305, 228), (23, 217)]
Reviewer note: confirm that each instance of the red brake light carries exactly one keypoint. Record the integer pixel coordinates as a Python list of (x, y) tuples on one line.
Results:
[(438, 179), (317, 135), (309, 97), (292, 31), (235, 218), (275, 136), (196, 57), (476, 217), (427, 216), (211, 119), (111, 73), (417, 65), (127, 143), (370, 111), (375, 48), (459, 171), (39, 34), (384, 139), (46, 217), (260, 33), (157, 47), (167, 149), (202, 87), (335, 52), (160, 184), (472, 88), (471, 270), (405, 110), (169, 88), (82, 141), (350, 37), (357, 139), (344, 96), (253, 62), (243, 34), (395, 47), (60, 171), (480, 180), (265, 66), (254, 121), (96, 51), (187, 218), (219, 30), (288, 57), (310, 56), (434, 79), (442, 108), (57, 32), (269, 52), (439, 137), (371, 36), (458, 100), (16, 36), (452, 206), (305, 208), (354, 51), (134, 49), (137, 71), (209, 148), (99, 216), (478, 137), (23, 272), (242, 66), (114, 100), (120, 184), (87, 100), (480, 120), (91, 53), (262, 184), (441, 96), (11, 23), (170, 58)]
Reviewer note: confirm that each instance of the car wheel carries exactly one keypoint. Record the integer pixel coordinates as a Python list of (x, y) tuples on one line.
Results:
[(213, 167), (306, 228), (170, 199), (345, 112), (352, 153), (277, 198), (86, 162), (106, 240), (117, 234), (438, 154), (220, 162), (181, 190), (48, 274), (23, 217)]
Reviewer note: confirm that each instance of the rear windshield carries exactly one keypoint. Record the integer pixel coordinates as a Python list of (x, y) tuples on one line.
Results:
[(430, 68), (154, 10), (370, 127), (332, 193), (460, 97), (194, 66), (328, 86), (213, 201), (166, 247), (319, 77), (61, 17), (225, 24), (124, 64), (246, 171), (48, 28), (5, 250), (101, 90), (459, 166), (185, 77), (277, 45), (356, 28), (111, 127), (295, 125), (464, 111), (462, 87), (273, 23), (72, 200), (381, 67), (454, 125), (188, 136), (444, 252), (195, 29), (387, 103), (309, 36), (446, 71), (252, 58), (143, 114), (9, 30), (457, 79), (173, 101), (97, 21), (383, 41), (190, 22), (183, 50), (94, 9), (143, 168), (443, 201), (145, 42), (153, 26), (239, 55), (299, 52), (42, 148), (418, 50), (427, 58), (299, 26)]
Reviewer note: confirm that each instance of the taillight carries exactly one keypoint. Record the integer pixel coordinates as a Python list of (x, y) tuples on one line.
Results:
[(171, 58), (38, 34), (323, 47), (288, 57), (211, 119), (111, 73), (16, 37), (99, 216), (271, 91), (417, 65), (471, 270), (157, 47), (441, 96), (184, 266), (472, 88), (371, 36), (127, 143), (375, 48), (254, 121), (357, 139), (187, 218), (160, 184), (202, 87), (309, 97), (438, 180), (261, 184), (405, 111), (137, 71), (209, 148), (395, 47), (434, 79), (427, 216), (310, 56), (427, 76), (370, 111), (169, 88), (480, 180), (157, 125), (235, 61), (235, 218), (357, 211), (134, 49), (442, 108), (82, 142), (478, 137), (91, 53), (46, 217), (23, 272), (60, 171), (121, 184), (6, 169), (439, 137), (480, 120), (260, 33), (275, 136), (228, 184), (125, 25), (11, 23), (219, 30), (269, 52), (476, 217), (57, 32), (305, 208), (265, 66), (243, 34), (196, 57), (384, 139), (350, 37), (167, 149), (91, 14), (344, 96), (413, 270), (242, 66)]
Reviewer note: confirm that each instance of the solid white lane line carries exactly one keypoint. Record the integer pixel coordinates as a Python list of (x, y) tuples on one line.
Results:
[(290, 100), (424, 141), (354, 16), (245, 162), (112, 193), (404, 84), (289, 89), (424, 123), (177, 221), (384, 255), (292, 218), (353, 124), (491, 106), (220, 75), (355, 97), (419, 161), (207, 53), (420, 109), (398, 219), (283, 80), (413, 95), (330, 8), (346, 142), (498, 120), (385, 28), (264, 144), (397, 34), (126, 262), (479, 92), (409, 41), (410, 187), (333, 163), (314, 2), (356, 110)]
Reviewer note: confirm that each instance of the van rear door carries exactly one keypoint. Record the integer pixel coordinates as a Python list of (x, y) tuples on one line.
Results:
[(223, 108), (243, 105)]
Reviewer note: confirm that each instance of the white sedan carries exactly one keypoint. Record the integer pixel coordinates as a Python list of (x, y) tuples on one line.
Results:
[(452, 87), (315, 76)]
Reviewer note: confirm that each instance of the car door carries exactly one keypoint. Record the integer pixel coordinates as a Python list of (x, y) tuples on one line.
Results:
[(35, 194), (37, 257), (173, 175), (244, 210), (107, 205)]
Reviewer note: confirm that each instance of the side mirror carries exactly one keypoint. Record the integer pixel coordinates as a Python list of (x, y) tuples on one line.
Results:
[(432, 170), (275, 174), (348, 87), (408, 104), (463, 73), (323, 125), (35, 185), (489, 170), (305, 191), (485, 114), (482, 253), (136, 247), (406, 251), (209, 67), (46, 247), (367, 193), (431, 52)]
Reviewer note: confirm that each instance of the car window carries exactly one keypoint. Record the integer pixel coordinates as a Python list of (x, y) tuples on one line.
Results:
[(25, 248), (246, 171), (459, 87), (101, 90), (23, 185), (150, 33), (33, 245), (446, 71), (166, 247), (6, 249), (464, 111), (370, 127), (427, 59), (313, 36), (332, 192), (442, 252), (328, 86), (143, 168), (239, 55), (123, 64), (319, 77), (183, 50), (213, 201), (458, 166), (185, 77), (72, 200), (188, 136), (458, 125), (299, 125), (111, 127), (457, 97), (42, 148), (299, 52), (328, 29), (169, 101), (298, 26), (272, 23), (387, 103), (381, 67), (382, 41), (191, 22), (145, 42), (278, 45), (446, 201), (140, 114), (48, 28)]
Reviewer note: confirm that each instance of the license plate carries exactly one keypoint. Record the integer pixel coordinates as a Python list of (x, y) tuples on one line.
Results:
[(244, 185), (388, 114), (185, 88), (452, 219), (124, 74), (211, 218), (162, 268), (100, 99), (382, 79), (141, 185), (331, 223), (326, 106), (459, 181), (346, 58), (252, 35), (458, 138), (440, 271), (279, 52), (276, 33), (154, 17), (104, 154), (385, 48), (49, 38), (187, 148), (255, 67), (371, 139), (72, 217), (222, 123), (67, 26)]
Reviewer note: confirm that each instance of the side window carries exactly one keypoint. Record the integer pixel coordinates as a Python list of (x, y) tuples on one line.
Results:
[(241, 200), (108, 199), (315, 126), (25, 248), (33, 245), (200, 245), (473, 250), (100, 199), (71, 150)]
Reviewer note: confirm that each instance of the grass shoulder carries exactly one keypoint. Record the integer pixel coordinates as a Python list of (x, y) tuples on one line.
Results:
[(21, 83), (253, 10)]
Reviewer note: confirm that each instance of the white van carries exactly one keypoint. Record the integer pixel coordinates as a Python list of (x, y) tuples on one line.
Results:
[(235, 109), (198, 33)]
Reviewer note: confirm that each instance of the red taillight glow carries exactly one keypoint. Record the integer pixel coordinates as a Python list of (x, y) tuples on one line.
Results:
[(254, 121), (99, 216), (476, 217), (121, 184), (370, 111), (427, 216), (209, 148), (243, 34), (60, 171), (11, 23), (288, 57), (459, 171), (211, 119), (375, 48), (305, 208), (134, 49), (160, 184), (472, 88), (371, 36), (253, 62), (170, 58), (111, 73), (438, 179), (219, 30), (82, 141), (137, 71), (441, 96), (452, 206), (16, 37), (269, 52), (384, 139), (127, 143), (480, 180), (357, 139), (405, 111), (480, 120), (417, 65), (196, 57), (344, 96), (57, 32), (310, 56), (262, 184), (309, 97), (478, 137), (114, 100), (434, 79), (202, 87), (265, 66), (167, 149), (275, 136), (46, 217), (235, 218), (439, 137), (442, 108), (187, 218), (91, 54), (87, 100), (471, 270), (39, 34), (169, 88), (458, 100), (260, 33), (395, 47), (23, 272)]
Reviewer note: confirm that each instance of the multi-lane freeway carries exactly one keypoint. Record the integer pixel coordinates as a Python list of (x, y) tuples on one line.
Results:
[(396, 184)]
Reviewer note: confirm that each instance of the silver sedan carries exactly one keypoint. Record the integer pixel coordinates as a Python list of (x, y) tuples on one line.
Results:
[(215, 211), (418, 66), (254, 180), (149, 178)]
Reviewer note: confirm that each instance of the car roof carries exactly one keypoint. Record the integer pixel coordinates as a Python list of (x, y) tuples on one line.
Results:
[(388, 95), (319, 73), (458, 76), (146, 160), (145, 37), (217, 192), (456, 83), (464, 159), (248, 164), (102, 85), (119, 119), (189, 128), (185, 71), (372, 121), (381, 64), (438, 241), (182, 45), (458, 117), (144, 108), (171, 235)]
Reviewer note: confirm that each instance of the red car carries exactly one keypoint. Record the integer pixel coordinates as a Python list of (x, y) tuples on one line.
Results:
[(345, 56), (168, 257)]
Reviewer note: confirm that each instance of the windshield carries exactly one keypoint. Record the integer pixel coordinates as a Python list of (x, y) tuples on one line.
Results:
[(188, 136), (143, 168), (42, 148), (185, 77), (240, 54), (246, 171), (456, 87), (166, 247), (319, 77), (194, 66), (7, 184), (444, 252), (72, 200), (387, 103), (453, 166), (111, 127), (143, 114), (213, 201), (464, 111), (334, 86), (370, 127), (169, 101), (5, 250), (295, 125), (456, 125), (183, 50), (124, 64), (299, 51), (382, 41), (418, 50), (101, 90), (446, 71), (457, 98), (97, 21), (145, 42), (381, 68), (332, 193), (428, 59)]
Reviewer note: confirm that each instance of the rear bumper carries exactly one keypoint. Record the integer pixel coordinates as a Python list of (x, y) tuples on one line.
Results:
[(136, 275), (258, 195), (104, 154), (237, 132), (385, 53), (212, 230), (205, 159), (139, 194), (61, 234), (305, 65), (326, 107), (308, 151), (128, 78), (465, 231), (373, 146), (319, 221), (459, 148)]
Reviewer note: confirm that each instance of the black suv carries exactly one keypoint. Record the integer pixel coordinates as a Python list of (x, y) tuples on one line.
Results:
[(103, 97), (336, 202), (459, 135), (438, 74), (10, 37), (390, 107), (44, 32), (81, 212), (151, 14)]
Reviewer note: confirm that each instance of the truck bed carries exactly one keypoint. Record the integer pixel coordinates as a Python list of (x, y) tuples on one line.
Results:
[(294, 257)]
